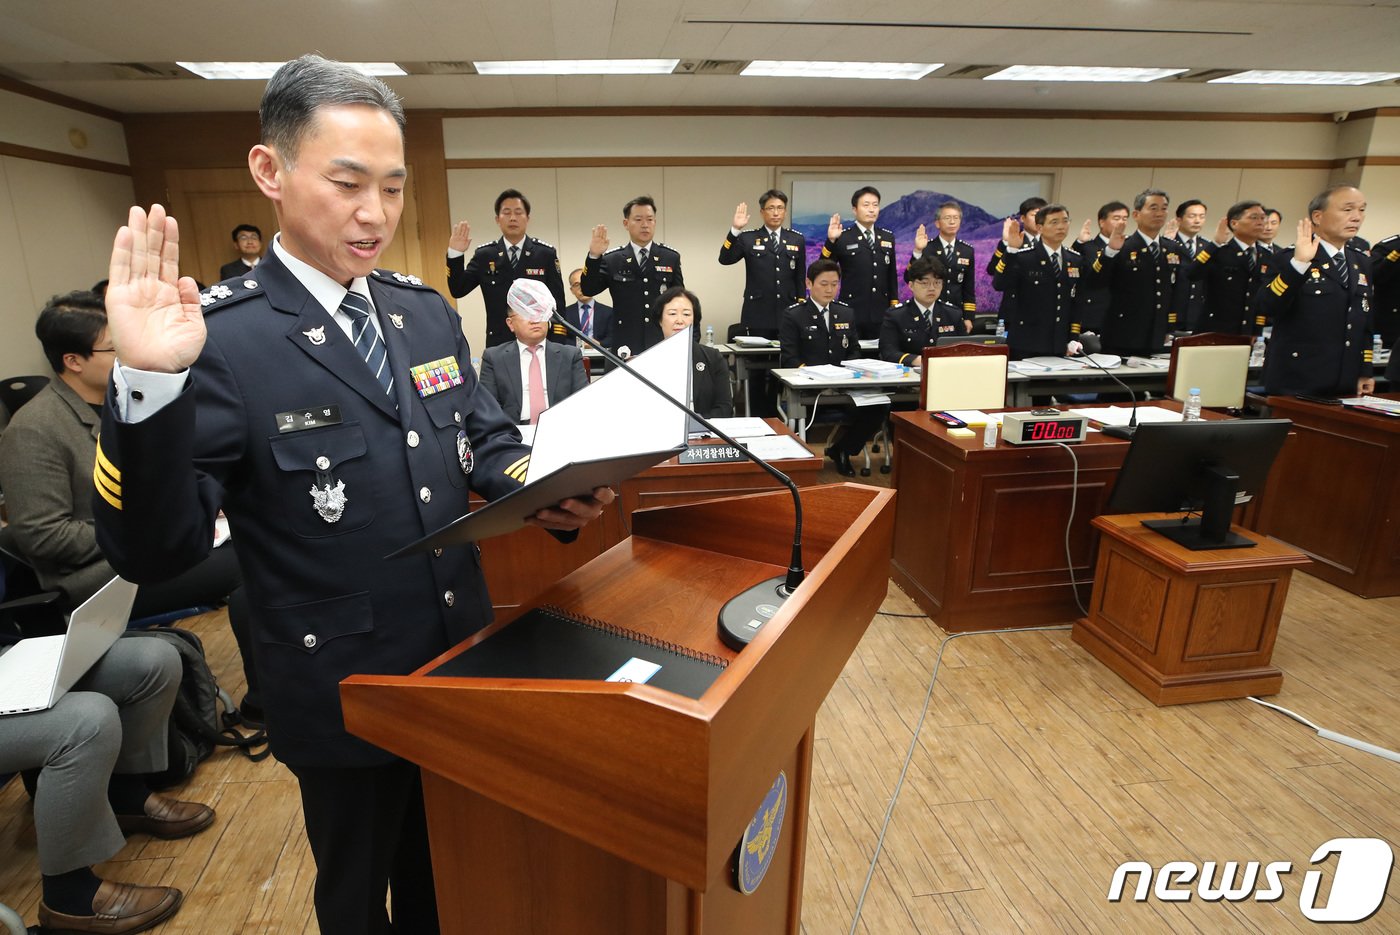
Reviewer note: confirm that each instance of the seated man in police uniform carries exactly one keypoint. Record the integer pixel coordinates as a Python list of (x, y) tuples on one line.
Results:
[(921, 321), (530, 374), (821, 330), (330, 408)]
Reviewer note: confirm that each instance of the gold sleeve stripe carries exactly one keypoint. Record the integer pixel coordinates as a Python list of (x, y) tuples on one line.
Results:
[(1001, 266), (106, 465), (1075, 328), (1278, 286), (1098, 266), (102, 480), (826, 252), (1259, 320), (726, 246), (969, 306), (1366, 355), (98, 481), (1394, 255), (1203, 257), (516, 465)]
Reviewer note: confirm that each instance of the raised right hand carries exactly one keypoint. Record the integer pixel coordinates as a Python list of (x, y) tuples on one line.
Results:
[(833, 230), (1304, 248), (1011, 233), (154, 316), (461, 237), (1119, 235), (741, 216), (598, 243), (1086, 231), (921, 239), (1223, 232)]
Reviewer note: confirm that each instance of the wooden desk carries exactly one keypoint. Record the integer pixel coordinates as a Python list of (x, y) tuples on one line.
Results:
[(1183, 626), (520, 565), (979, 536), (1334, 492)]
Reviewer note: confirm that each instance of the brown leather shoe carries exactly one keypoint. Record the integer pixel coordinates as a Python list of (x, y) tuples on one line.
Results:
[(117, 909), (168, 818)]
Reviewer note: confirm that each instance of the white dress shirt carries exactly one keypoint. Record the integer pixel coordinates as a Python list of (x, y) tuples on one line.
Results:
[(522, 352)]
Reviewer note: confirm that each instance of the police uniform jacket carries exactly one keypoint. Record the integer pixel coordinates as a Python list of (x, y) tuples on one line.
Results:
[(869, 283), (489, 268), (634, 291), (1196, 289), (278, 403), (710, 393), (1321, 342), (1147, 296), (805, 341), (1231, 286), (235, 269), (1091, 299), (1385, 265), (960, 278), (1007, 309), (773, 279), (906, 331), (1041, 324)]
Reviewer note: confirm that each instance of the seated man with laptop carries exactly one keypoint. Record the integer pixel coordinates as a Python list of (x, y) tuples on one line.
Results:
[(90, 711)]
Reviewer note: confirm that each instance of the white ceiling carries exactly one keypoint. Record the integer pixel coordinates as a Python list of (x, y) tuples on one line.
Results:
[(45, 43)]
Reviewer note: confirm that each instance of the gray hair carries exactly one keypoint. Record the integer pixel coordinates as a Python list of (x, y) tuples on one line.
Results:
[(1147, 193), (306, 84), (1320, 200)]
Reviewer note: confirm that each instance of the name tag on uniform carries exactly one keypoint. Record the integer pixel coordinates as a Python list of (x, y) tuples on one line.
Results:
[(852, 246), (436, 376), (312, 417)]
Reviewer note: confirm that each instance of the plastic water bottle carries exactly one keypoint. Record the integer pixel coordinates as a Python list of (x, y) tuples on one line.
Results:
[(1256, 353), (710, 335), (1377, 345), (1191, 412), (1001, 327)]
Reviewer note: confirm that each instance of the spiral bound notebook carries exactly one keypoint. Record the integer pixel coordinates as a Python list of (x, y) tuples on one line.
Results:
[(550, 643)]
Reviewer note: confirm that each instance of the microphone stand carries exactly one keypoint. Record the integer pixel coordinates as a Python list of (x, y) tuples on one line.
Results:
[(741, 618), (1117, 431)]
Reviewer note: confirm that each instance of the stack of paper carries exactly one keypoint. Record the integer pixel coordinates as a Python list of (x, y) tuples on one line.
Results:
[(1056, 363), (1122, 415), (751, 340), (825, 372), (775, 447), (872, 367)]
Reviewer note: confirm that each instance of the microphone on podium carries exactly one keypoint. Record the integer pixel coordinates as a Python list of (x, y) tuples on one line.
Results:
[(743, 616)]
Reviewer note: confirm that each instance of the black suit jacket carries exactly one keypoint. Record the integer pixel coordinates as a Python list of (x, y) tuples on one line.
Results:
[(773, 279), (602, 324), (1196, 288), (1228, 306), (1091, 299), (236, 269), (1041, 324), (804, 340), (634, 291), (960, 282), (324, 601), (490, 269), (710, 393), (1147, 297), (500, 375), (1321, 342), (869, 282), (905, 332)]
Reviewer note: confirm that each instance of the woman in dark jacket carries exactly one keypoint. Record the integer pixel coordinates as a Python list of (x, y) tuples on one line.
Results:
[(709, 379)]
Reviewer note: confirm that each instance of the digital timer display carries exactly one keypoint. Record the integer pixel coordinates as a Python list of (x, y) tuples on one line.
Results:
[(1049, 430)]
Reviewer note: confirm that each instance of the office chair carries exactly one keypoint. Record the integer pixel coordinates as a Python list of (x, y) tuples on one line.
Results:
[(964, 376), (16, 391), (1216, 364)]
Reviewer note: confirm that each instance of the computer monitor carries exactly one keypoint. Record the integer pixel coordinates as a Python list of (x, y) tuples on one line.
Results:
[(1188, 466)]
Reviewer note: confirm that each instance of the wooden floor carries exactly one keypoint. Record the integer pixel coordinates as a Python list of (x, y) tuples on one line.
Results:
[(1037, 772)]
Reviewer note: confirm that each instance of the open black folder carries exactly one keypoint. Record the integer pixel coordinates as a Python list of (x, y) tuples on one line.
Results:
[(510, 512)]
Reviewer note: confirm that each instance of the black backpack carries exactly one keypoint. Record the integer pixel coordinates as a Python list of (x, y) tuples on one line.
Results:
[(197, 724)]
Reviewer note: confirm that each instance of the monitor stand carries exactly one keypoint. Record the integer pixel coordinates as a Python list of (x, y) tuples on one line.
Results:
[(1212, 530)]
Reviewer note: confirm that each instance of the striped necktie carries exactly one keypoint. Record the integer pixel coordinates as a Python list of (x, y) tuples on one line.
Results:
[(367, 340), (1340, 258)]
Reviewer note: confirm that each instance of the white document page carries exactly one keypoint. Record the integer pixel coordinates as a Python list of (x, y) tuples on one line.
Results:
[(743, 427), (775, 447), (617, 414)]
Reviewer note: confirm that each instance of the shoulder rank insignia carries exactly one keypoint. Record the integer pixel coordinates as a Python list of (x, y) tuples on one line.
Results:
[(410, 280), (214, 294)]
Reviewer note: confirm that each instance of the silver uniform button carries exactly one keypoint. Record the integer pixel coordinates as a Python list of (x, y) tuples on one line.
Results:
[(437, 553), (413, 439), (457, 417), (425, 494), (309, 641), (322, 463), (449, 598)]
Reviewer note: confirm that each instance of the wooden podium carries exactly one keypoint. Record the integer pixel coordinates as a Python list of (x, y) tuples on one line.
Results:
[(605, 808), (1183, 626)]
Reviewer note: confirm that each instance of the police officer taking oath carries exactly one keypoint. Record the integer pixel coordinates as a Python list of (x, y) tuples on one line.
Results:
[(495, 265), (1320, 304), (865, 255), (635, 274), (1234, 266), (775, 263), (1044, 277), (330, 409)]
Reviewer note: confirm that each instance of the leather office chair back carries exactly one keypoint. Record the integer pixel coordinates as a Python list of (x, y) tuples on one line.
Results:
[(16, 391), (964, 376), (1216, 364)]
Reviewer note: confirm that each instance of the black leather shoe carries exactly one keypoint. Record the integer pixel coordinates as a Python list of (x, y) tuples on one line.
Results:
[(117, 909), (843, 462)]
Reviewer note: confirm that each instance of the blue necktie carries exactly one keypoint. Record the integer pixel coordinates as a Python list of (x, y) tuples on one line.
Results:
[(366, 338)]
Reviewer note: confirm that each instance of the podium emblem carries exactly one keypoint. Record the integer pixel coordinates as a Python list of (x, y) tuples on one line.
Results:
[(760, 841)]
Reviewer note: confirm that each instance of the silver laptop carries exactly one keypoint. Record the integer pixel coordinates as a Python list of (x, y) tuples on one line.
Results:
[(36, 672)]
